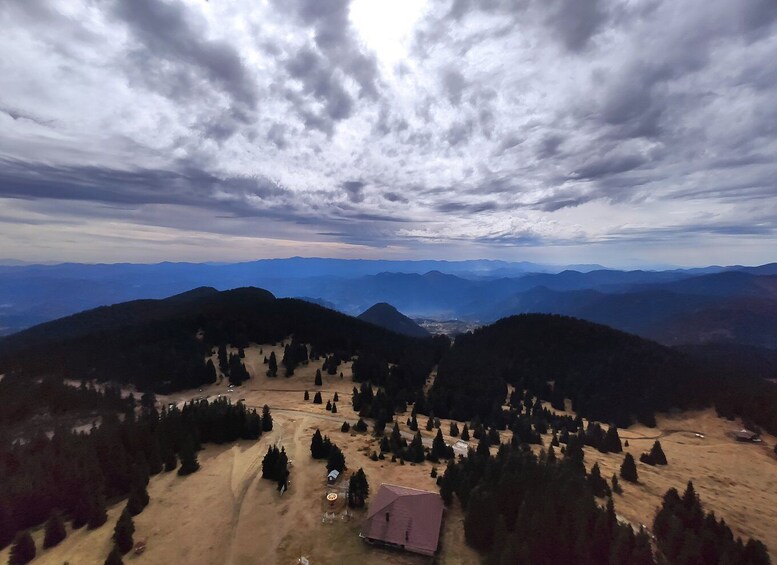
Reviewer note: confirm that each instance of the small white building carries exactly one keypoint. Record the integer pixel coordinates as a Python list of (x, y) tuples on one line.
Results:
[(331, 478)]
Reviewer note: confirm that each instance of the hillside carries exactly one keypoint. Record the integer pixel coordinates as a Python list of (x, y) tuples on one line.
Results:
[(386, 316), (609, 375), (162, 343)]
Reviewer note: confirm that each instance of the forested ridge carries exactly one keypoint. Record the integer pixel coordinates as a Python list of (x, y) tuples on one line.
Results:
[(162, 344), (610, 376)]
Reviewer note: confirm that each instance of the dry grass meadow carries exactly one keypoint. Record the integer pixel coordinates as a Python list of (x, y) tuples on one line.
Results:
[(226, 514)]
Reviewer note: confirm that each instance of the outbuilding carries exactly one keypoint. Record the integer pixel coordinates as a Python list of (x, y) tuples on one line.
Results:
[(331, 478)]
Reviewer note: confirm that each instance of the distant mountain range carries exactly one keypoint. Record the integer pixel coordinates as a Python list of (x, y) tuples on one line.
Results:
[(735, 304)]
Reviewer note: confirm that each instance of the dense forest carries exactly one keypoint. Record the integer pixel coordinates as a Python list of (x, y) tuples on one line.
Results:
[(162, 344), (609, 375), (78, 474)]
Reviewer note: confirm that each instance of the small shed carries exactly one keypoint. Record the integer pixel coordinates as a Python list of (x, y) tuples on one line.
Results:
[(331, 478), (746, 435)]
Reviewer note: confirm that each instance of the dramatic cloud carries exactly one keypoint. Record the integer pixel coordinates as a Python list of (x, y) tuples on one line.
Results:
[(607, 130)]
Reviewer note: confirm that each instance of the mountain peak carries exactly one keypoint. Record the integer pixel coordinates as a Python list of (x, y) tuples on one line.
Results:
[(386, 316)]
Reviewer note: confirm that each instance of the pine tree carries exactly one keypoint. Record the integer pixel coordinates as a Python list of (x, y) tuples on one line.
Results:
[(55, 530), (454, 431), (336, 460), (114, 557), (429, 424), (415, 450), (307, 395), (189, 463), (123, 531), (329, 405), (336, 398), (317, 445), (439, 449), (360, 426), (597, 483), (616, 486), (98, 514), (23, 549), (346, 427), (334, 408), (266, 419), (657, 454), (272, 365), (465, 433), (317, 398), (358, 489), (628, 470), (318, 381), (612, 442)]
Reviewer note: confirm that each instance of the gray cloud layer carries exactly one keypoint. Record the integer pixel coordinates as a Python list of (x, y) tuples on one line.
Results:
[(478, 127)]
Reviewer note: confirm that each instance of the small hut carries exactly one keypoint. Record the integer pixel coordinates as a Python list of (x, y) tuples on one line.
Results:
[(331, 478)]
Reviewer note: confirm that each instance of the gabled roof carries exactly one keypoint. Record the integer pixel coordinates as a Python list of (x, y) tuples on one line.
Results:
[(405, 517)]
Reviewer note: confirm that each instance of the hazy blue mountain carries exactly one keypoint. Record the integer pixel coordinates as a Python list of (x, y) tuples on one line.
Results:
[(386, 316)]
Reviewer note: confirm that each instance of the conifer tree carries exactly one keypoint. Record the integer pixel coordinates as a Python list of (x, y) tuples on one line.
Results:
[(429, 424), (97, 510), (123, 531), (22, 550), (266, 419), (358, 489), (189, 463), (317, 445), (336, 460), (317, 398), (465, 433), (329, 405), (439, 448), (307, 395), (612, 442), (346, 427), (415, 451), (454, 431), (114, 557), (336, 398), (360, 426), (318, 381), (55, 530), (272, 365), (629, 469), (657, 454), (334, 408), (616, 486)]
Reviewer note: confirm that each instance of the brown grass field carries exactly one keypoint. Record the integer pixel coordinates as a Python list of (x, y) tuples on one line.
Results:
[(226, 514)]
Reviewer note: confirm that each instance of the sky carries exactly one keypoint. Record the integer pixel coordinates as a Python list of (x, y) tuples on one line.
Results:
[(621, 132)]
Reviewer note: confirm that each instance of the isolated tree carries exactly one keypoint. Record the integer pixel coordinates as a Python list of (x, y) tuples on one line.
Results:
[(114, 557), (629, 469), (465, 433), (346, 427), (334, 408), (657, 454), (307, 395), (360, 426), (454, 431), (122, 533), (272, 365), (22, 550), (429, 424), (266, 419), (336, 398), (318, 381), (189, 463), (329, 405), (358, 489), (317, 398), (55, 530)]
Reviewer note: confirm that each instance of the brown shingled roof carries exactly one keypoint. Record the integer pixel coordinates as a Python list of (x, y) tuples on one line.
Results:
[(405, 517)]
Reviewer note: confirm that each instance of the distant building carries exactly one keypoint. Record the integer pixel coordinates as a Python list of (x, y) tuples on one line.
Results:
[(746, 435), (404, 518), (331, 478)]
